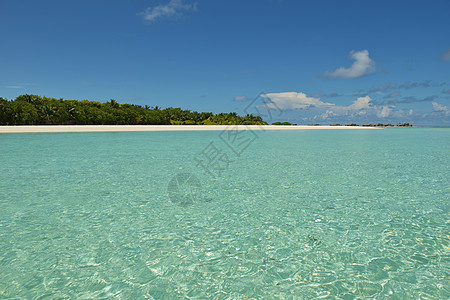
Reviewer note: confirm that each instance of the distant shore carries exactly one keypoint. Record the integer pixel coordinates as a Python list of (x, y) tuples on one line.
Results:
[(121, 128)]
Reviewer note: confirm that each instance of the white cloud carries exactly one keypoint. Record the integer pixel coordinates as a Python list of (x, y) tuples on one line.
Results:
[(364, 109), (292, 100), (361, 108), (360, 103), (14, 87), (328, 114), (441, 108), (172, 9), (445, 56), (362, 66), (241, 98), (384, 112)]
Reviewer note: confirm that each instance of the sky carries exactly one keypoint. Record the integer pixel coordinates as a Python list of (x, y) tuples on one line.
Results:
[(288, 60)]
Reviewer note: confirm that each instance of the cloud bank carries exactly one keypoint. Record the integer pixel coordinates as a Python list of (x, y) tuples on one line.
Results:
[(292, 101), (362, 66), (410, 99), (383, 88), (410, 85), (362, 108), (392, 95), (441, 108), (390, 87), (172, 9)]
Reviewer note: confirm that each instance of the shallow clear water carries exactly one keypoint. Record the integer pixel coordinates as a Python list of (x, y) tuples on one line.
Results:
[(278, 214)]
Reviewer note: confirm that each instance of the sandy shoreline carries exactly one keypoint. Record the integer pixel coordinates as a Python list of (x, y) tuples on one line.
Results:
[(120, 128)]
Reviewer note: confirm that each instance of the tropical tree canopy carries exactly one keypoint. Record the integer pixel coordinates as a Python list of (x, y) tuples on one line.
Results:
[(36, 110)]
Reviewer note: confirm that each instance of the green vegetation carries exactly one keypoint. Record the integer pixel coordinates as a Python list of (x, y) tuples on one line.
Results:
[(36, 110), (281, 123)]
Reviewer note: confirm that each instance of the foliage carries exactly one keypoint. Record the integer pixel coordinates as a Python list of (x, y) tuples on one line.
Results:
[(281, 123), (36, 110)]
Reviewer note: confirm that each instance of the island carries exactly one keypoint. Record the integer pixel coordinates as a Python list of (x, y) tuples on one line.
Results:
[(284, 123), (37, 110)]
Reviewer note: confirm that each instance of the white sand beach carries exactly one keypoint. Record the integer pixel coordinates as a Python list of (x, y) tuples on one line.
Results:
[(120, 128)]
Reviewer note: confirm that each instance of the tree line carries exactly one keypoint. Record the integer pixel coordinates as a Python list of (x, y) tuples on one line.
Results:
[(36, 110)]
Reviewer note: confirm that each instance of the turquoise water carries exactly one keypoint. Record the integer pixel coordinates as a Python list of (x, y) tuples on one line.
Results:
[(346, 214)]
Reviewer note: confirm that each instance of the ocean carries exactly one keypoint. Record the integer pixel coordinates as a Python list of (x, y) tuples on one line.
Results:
[(336, 214)]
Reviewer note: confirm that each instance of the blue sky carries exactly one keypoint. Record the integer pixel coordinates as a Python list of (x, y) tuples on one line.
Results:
[(314, 61)]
